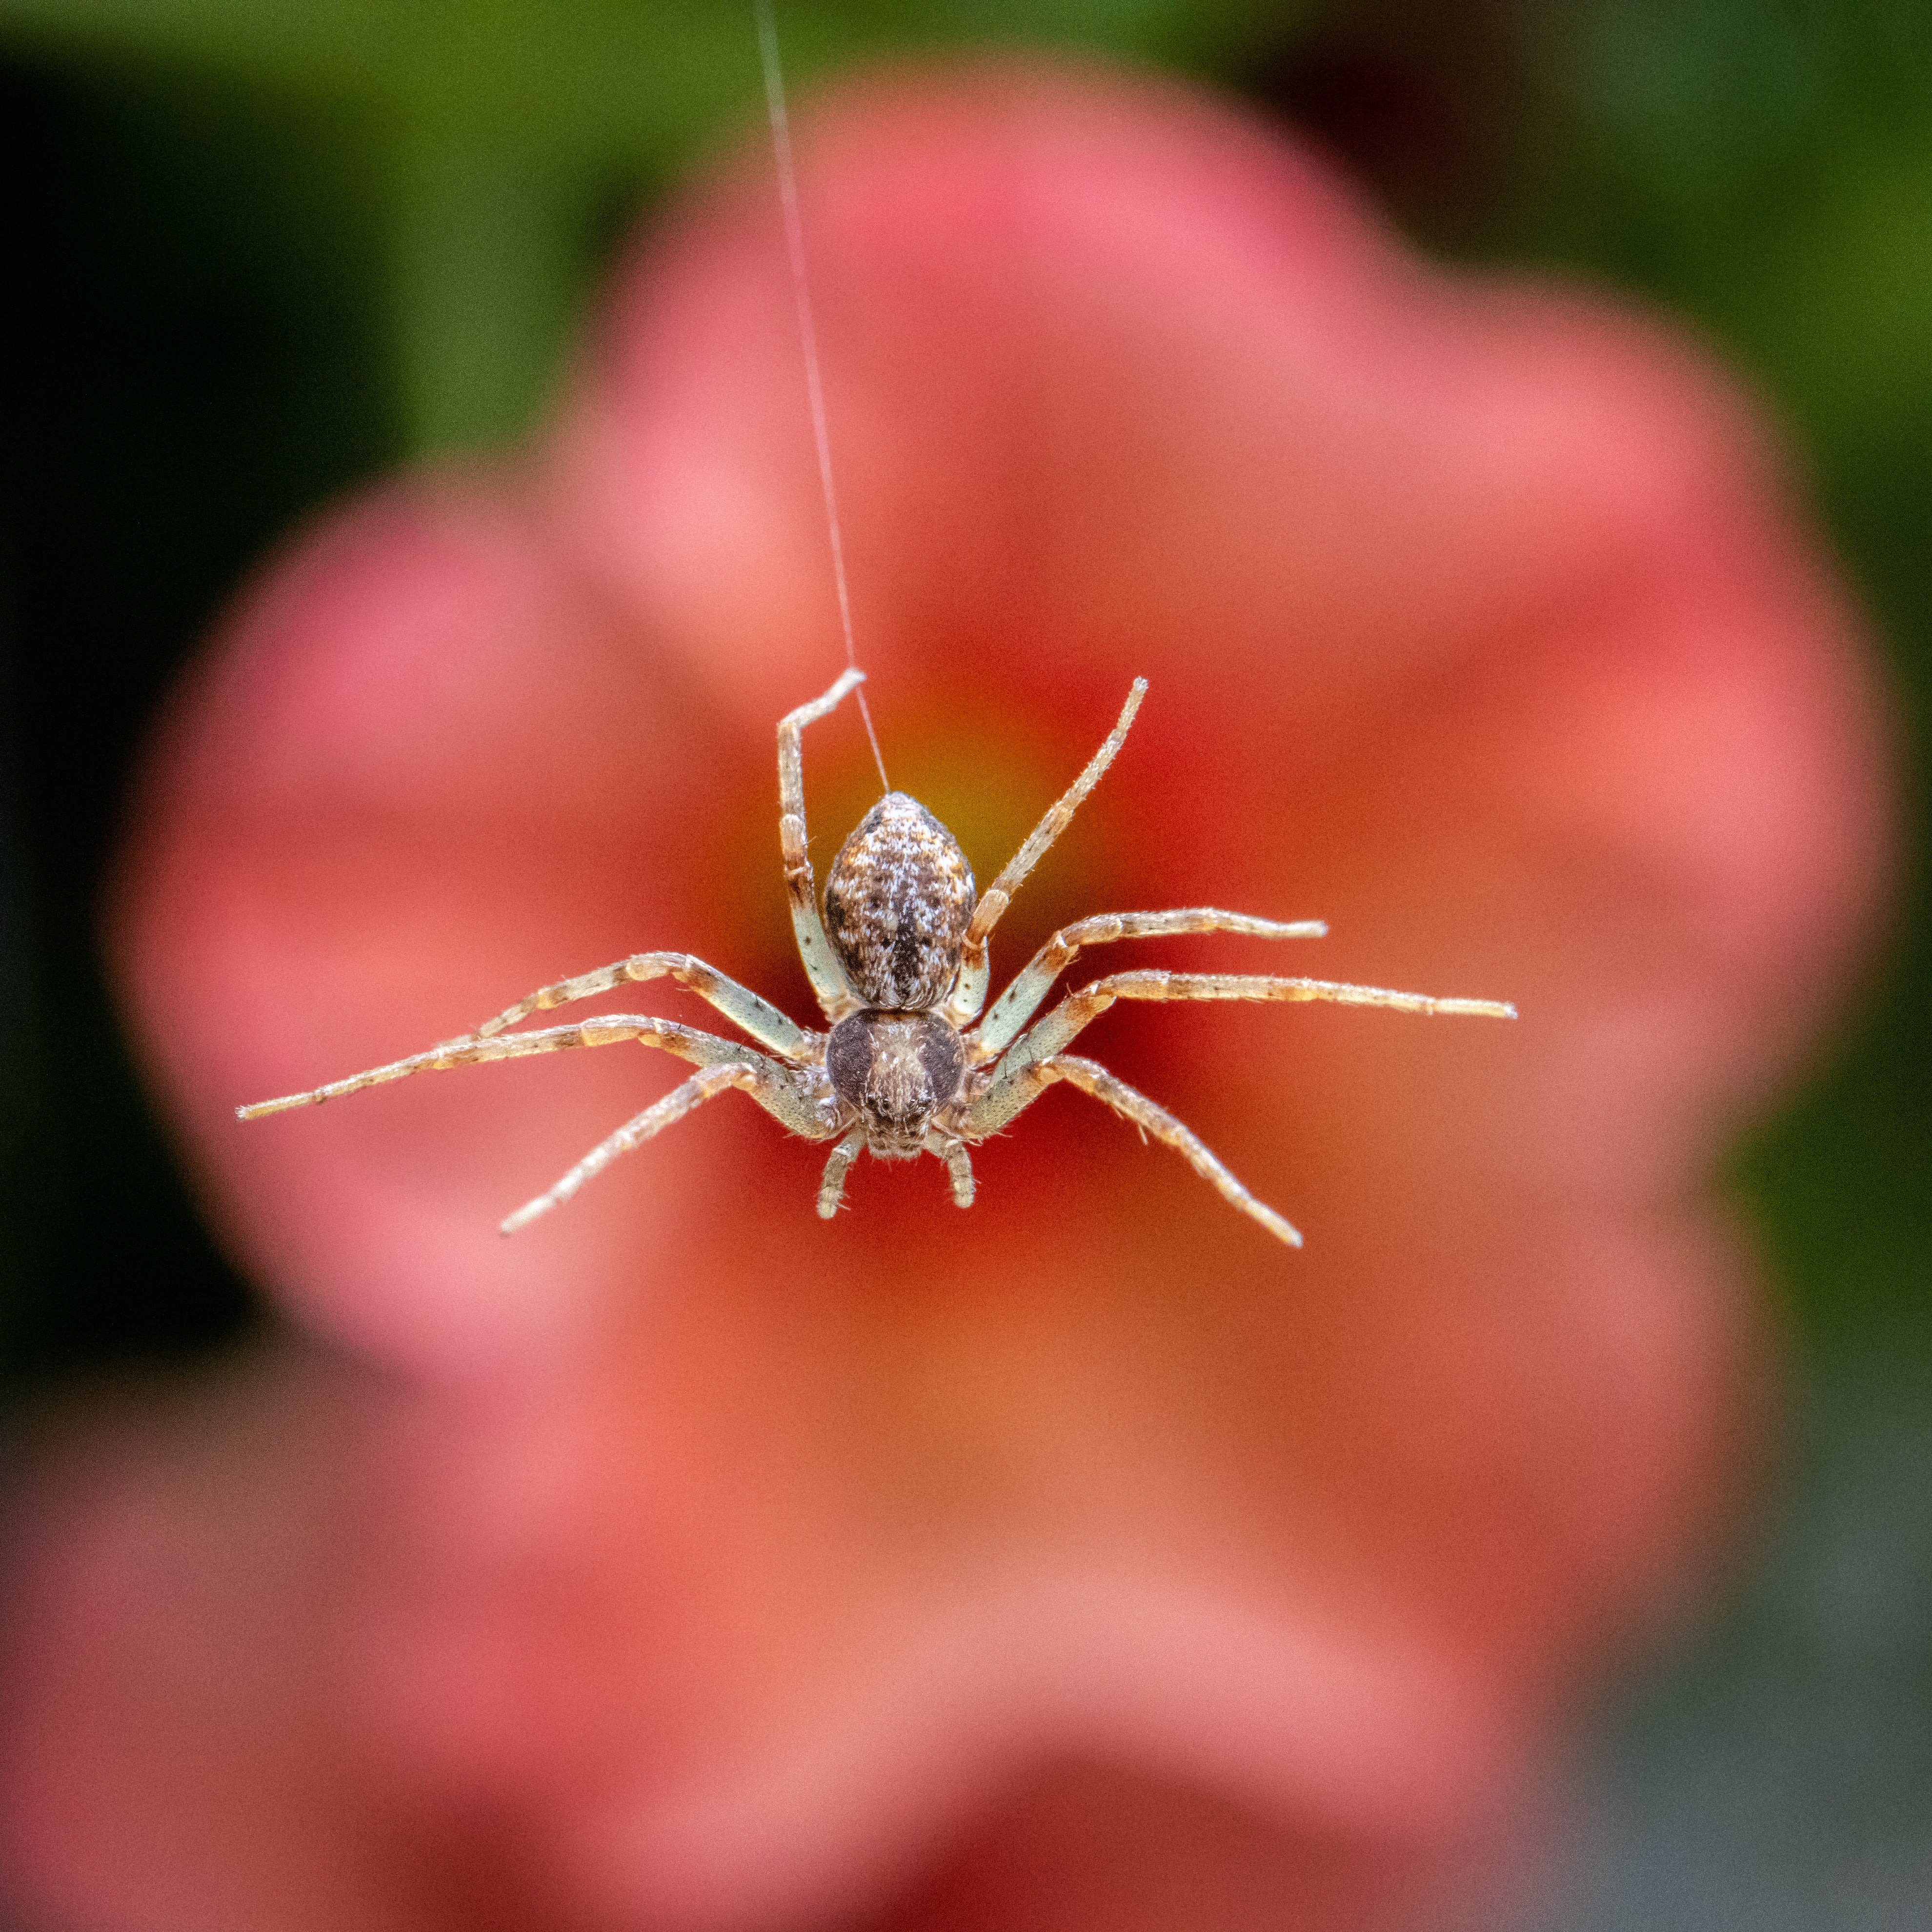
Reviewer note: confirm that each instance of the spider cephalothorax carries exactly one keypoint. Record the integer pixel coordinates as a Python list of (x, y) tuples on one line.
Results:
[(897, 1070), (898, 962)]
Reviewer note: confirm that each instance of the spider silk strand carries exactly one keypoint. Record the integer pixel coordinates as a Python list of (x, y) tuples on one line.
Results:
[(774, 106)]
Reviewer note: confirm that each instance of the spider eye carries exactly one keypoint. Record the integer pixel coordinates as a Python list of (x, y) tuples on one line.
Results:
[(898, 901)]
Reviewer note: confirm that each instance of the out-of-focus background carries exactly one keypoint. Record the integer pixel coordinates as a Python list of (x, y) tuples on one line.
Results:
[(261, 250)]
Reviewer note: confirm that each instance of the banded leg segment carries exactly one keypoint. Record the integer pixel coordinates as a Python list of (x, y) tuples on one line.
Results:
[(1001, 1103), (1049, 1036), (1021, 1001), (969, 994), (794, 1098), (777, 1032), (659, 1115), (814, 950)]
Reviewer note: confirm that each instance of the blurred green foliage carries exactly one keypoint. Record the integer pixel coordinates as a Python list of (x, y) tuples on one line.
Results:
[(1766, 167), (475, 144)]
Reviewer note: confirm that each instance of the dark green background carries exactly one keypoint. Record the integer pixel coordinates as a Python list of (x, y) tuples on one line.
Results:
[(259, 250)]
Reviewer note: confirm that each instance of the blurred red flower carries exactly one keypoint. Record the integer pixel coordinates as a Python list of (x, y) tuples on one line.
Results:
[(1088, 1558)]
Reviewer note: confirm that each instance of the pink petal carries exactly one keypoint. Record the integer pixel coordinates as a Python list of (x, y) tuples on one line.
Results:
[(739, 1563)]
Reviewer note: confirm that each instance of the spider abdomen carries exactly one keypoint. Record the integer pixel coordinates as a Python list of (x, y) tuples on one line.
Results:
[(898, 902), (898, 1070)]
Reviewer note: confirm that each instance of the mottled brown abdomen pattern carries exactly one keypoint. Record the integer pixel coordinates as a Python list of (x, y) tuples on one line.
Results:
[(898, 901)]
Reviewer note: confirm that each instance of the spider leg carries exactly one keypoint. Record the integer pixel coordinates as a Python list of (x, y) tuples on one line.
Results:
[(969, 993), (950, 1149), (814, 950), (1049, 1036), (659, 1115), (1021, 1001), (775, 1031), (793, 1101), (998, 1106), (832, 1189)]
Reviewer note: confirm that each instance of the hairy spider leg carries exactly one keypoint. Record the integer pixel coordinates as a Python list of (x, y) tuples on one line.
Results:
[(1022, 1000), (832, 1189), (1035, 1059), (796, 1100), (660, 1114), (814, 950), (777, 1032), (969, 992), (1049, 1035), (1001, 1103)]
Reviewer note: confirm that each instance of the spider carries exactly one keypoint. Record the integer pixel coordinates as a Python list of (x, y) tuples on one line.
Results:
[(898, 962)]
